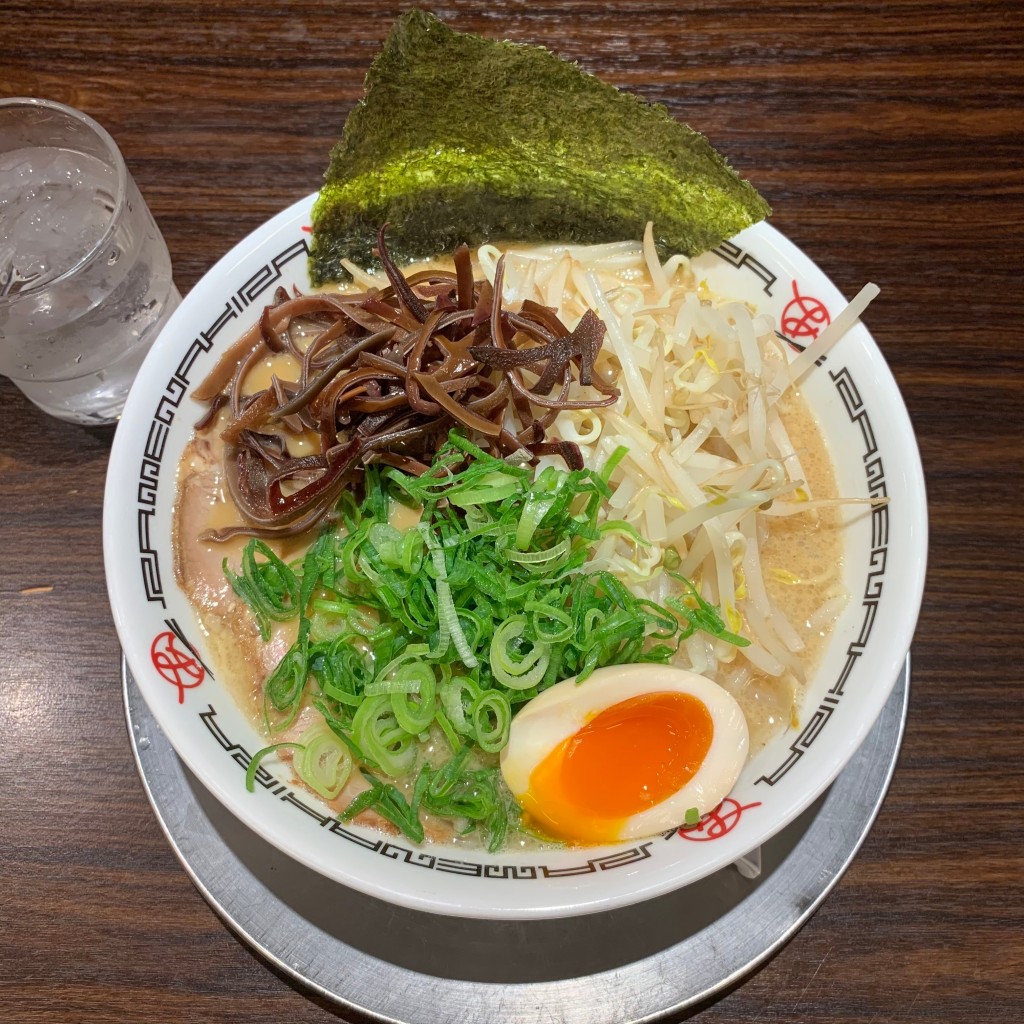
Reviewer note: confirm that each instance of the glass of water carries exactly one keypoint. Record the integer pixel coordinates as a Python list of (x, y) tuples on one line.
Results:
[(85, 277)]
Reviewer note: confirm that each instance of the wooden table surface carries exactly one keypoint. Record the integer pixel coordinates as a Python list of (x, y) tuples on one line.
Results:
[(887, 138)]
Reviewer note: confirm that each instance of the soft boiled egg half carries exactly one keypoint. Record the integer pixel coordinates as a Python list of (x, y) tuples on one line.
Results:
[(632, 751)]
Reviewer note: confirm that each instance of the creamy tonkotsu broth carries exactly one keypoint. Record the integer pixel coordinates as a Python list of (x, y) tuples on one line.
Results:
[(809, 552), (801, 554)]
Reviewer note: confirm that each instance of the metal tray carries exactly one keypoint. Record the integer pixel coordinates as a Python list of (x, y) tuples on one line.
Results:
[(379, 962)]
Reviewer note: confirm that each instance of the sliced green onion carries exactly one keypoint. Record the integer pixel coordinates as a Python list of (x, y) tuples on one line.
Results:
[(613, 460), (343, 669), (414, 652), (269, 587), (538, 561), (254, 762), (389, 803), (388, 543), (487, 490), (375, 728), (449, 732), (517, 673), (317, 564), (543, 613), (541, 498), (458, 694), (460, 792), (337, 726), (282, 692), (620, 526), (398, 685), (414, 709), (325, 763), (492, 718), (449, 626), (448, 617), (703, 615)]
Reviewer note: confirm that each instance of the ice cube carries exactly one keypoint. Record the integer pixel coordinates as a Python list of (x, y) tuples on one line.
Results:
[(54, 207)]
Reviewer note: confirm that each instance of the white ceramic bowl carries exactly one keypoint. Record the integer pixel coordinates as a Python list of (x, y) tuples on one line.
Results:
[(866, 425)]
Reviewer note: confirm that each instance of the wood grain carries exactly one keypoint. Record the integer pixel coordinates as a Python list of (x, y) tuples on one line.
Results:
[(887, 138)]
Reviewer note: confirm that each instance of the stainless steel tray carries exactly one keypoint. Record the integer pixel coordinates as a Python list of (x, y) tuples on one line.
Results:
[(385, 963)]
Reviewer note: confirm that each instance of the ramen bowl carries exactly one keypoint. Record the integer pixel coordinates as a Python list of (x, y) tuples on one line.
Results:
[(865, 425)]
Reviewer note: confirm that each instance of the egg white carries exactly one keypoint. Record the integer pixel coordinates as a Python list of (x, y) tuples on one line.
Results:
[(560, 711)]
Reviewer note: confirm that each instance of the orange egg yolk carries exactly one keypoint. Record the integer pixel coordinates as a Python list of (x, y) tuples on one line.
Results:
[(626, 759)]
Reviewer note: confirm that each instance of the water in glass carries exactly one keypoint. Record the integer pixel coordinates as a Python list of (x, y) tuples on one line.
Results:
[(85, 280)]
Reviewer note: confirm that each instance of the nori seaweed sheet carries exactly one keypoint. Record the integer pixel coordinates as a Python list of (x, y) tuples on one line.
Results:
[(465, 139)]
